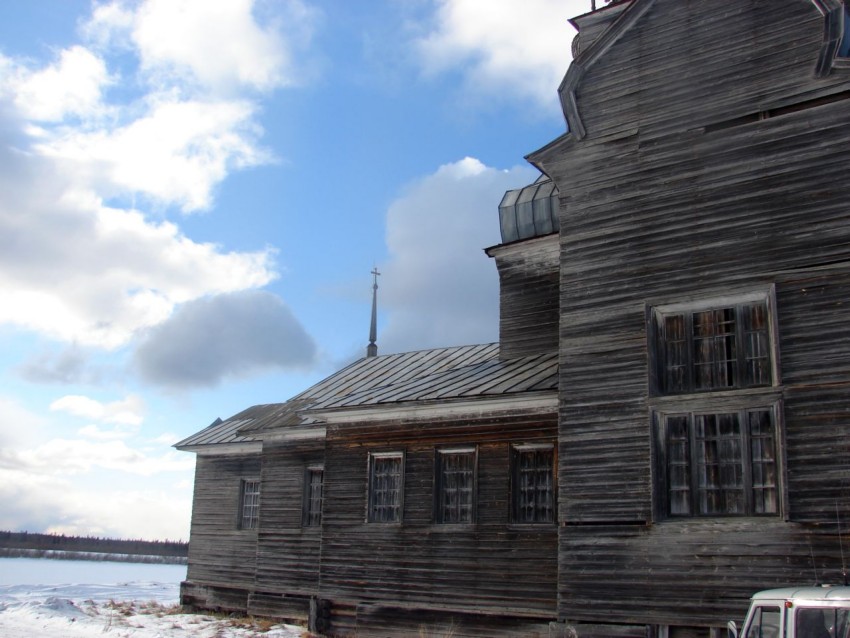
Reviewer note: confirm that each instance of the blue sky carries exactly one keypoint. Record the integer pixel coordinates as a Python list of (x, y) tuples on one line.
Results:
[(193, 194)]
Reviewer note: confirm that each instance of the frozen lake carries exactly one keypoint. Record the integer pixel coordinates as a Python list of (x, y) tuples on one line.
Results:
[(37, 579), (88, 599)]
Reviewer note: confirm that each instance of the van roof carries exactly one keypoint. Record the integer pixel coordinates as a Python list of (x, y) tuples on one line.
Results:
[(826, 592)]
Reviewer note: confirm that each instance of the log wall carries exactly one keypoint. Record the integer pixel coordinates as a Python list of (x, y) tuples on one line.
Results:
[(715, 163)]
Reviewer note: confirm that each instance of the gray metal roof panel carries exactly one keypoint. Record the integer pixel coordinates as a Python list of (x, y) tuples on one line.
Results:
[(427, 375)]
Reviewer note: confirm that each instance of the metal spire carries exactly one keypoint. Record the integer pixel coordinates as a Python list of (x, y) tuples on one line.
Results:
[(372, 348)]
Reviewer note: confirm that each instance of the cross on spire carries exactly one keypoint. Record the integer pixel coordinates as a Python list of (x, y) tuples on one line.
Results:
[(372, 348)]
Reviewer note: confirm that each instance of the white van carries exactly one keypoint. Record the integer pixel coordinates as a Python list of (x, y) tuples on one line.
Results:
[(797, 612)]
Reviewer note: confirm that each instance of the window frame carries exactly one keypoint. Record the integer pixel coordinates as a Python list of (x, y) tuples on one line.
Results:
[(516, 451), (439, 514), (662, 455), (659, 345), (371, 504), (309, 516), (249, 513)]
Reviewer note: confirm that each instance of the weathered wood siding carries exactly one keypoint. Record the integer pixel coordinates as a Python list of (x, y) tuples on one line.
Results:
[(220, 554), (714, 164), (528, 296), (490, 566), (287, 552)]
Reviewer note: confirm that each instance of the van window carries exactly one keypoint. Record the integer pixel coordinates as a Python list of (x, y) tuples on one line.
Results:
[(765, 623), (826, 622)]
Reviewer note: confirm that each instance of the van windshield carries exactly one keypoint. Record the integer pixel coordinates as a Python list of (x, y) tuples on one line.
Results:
[(826, 622)]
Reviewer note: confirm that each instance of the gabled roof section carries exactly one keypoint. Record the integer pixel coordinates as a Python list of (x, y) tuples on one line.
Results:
[(228, 432), (589, 56), (438, 375)]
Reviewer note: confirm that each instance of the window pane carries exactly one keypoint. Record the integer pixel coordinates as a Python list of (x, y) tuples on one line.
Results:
[(763, 452), (719, 461), (678, 466), (457, 486), (757, 345), (675, 354), (765, 623), (250, 504), (715, 357), (385, 489), (313, 497), (534, 486)]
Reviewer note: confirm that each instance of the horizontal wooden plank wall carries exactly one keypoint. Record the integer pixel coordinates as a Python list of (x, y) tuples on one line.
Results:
[(528, 296), (489, 567), (714, 164), (287, 552), (220, 554)]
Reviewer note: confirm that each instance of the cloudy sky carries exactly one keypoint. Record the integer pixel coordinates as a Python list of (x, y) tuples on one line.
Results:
[(193, 194)]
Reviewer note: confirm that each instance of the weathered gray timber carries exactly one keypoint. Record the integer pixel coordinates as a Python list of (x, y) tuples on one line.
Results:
[(287, 550), (708, 161), (528, 289), (490, 567), (222, 557)]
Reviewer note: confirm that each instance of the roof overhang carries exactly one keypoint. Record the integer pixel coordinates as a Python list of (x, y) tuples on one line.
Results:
[(219, 449), (528, 403)]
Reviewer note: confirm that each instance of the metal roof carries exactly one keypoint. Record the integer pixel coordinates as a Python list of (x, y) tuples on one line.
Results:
[(442, 374)]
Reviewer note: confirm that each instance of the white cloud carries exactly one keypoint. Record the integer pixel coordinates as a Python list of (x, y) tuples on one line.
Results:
[(217, 44), (509, 50), (176, 153), (72, 86), (439, 288), (69, 457), (55, 505), (77, 270), (128, 411)]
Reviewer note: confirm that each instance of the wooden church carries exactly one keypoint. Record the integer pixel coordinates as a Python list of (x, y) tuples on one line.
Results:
[(664, 426)]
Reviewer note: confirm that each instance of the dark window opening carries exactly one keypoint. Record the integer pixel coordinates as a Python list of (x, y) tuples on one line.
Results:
[(313, 497), (720, 464), (533, 483), (455, 486), (714, 349), (386, 485), (249, 504)]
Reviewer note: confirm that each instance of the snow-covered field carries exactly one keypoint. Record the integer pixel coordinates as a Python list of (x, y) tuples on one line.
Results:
[(133, 609)]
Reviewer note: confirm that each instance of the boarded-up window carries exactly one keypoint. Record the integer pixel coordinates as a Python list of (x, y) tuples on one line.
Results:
[(720, 463), (455, 486), (386, 487), (313, 496), (249, 504), (713, 349), (533, 483)]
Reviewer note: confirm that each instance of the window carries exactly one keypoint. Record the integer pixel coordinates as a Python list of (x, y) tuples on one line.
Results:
[(720, 463), (765, 623), (533, 483), (249, 504), (822, 622), (311, 511), (386, 487), (454, 488), (709, 349)]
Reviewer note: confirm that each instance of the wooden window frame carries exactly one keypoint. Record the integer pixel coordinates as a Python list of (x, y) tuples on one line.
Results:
[(311, 504), (453, 515), (377, 511), (703, 463), (517, 488), (249, 512), (734, 353)]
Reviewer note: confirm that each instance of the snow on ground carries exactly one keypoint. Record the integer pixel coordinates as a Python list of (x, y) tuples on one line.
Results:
[(126, 610)]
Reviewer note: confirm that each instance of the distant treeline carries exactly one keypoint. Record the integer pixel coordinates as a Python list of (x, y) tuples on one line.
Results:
[(26, 540)]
